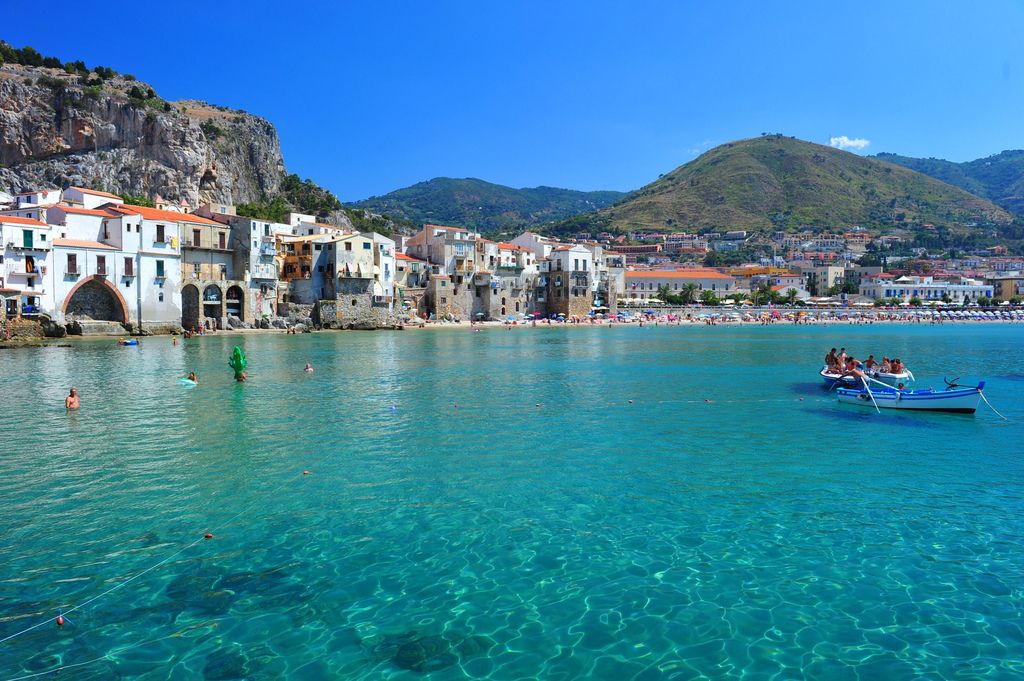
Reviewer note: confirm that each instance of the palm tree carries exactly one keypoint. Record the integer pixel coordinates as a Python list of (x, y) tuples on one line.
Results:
[(791, 294), (709, 298), (689, 293)]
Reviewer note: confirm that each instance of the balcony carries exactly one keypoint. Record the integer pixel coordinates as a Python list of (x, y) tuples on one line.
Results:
[(72, 271), (268, 249)]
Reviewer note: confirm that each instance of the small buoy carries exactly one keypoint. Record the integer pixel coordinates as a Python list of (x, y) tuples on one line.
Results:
[(801, 399), (394, 407), (207, 536), (538, 405), (631, 401), (305, 472), (707, 401), (60, 620)]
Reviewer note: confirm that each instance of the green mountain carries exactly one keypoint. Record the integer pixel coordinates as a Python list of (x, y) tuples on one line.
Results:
[(777, 182), (998, 178), (484, 206)]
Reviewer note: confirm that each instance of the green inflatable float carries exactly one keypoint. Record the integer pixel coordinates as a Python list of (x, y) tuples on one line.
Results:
[(237, 362)]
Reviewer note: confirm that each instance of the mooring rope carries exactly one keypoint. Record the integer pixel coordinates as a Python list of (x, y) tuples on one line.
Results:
[(59, 617)]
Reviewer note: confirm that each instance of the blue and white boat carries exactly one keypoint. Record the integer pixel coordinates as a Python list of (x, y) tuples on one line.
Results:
[(955, 399)]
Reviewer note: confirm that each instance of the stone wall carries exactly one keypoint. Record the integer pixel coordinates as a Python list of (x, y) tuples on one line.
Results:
[(450, 301), (355, 308), (94, 301)]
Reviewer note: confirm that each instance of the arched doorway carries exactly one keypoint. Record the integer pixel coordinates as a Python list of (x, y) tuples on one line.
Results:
[(213, 304), (235, 302), (190, 307), (95, 298)]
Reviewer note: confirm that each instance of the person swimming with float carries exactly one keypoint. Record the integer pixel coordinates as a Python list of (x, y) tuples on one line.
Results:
[(309, 368), (71, 401), (192, 377)]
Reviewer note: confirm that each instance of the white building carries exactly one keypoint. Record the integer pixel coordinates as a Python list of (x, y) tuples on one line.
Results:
[(89, 198), (642, 285), (24, 265), (964, 290)]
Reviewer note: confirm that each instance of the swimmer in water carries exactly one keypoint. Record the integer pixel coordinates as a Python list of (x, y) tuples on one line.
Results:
[(71, 401), (241, 377), (192, 377), (309, 368)]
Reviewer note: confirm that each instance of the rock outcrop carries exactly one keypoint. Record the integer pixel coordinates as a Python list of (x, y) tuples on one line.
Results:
[(120, 137)]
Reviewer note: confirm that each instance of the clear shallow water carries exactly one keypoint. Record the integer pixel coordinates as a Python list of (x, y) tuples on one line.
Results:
[(769, 534)]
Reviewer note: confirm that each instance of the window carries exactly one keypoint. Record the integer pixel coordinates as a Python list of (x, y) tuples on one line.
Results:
[(195, 269), (443, 283), (366, 245), (444, 301), (72, 263), (222, 240), (348, 245), (101, 264), (160, 234), (195, 238), (316, 247), (320, 268), (160, 270), (42, 237), (160, 296), (129, 267)]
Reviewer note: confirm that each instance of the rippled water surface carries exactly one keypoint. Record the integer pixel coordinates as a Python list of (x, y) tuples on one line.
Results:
[(618, 503)]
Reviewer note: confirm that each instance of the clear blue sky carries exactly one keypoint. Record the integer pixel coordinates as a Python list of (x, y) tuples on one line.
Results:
[(372, 96)]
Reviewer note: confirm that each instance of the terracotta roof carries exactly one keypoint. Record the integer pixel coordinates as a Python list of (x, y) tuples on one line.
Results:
[(84, 211), (13, 220), (97, 193), (509, 247), (157, 214), (404, 256), (695, 273), (82, 243)]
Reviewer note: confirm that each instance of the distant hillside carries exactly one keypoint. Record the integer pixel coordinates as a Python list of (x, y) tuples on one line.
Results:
[(775, 182), (998, 178), (485, 206)]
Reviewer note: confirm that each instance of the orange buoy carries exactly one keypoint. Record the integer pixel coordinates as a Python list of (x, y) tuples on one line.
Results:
[(305, 472), (60, 620), (207, 536)]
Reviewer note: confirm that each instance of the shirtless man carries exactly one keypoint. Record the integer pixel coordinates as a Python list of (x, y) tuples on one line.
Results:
[(870, 362), (71, 401), (830, 359)]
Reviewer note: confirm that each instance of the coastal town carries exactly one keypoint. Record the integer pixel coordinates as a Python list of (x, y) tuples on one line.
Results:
[(84, 261)]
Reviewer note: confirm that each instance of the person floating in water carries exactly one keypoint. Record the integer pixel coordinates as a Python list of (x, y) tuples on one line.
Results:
[(71, 401), (192, 377), (309, 368), (240, 377)]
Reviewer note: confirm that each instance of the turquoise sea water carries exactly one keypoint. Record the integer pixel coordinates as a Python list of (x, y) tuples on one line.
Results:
[(768, 533)]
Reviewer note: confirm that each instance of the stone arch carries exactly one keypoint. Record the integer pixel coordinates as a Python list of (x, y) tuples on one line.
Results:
[(96, 298), (213, 303), (234, 302), (190, 306)]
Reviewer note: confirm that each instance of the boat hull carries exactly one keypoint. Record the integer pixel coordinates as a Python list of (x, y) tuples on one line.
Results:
[(956, 401), (831, 379)]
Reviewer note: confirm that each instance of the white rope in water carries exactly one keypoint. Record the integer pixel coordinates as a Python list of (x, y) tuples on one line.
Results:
[(982, 393), (116, 651), (147, 570)]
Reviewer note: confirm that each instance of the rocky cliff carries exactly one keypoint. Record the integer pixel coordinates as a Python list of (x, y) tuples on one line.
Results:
[(117, 135)]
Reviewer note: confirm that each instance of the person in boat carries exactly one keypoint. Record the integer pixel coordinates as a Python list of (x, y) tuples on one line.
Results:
[(886, 365), (870, 362), (192, 377), (852, 369), (842, 356), (831, 360), (71, 401), (897, 366)]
